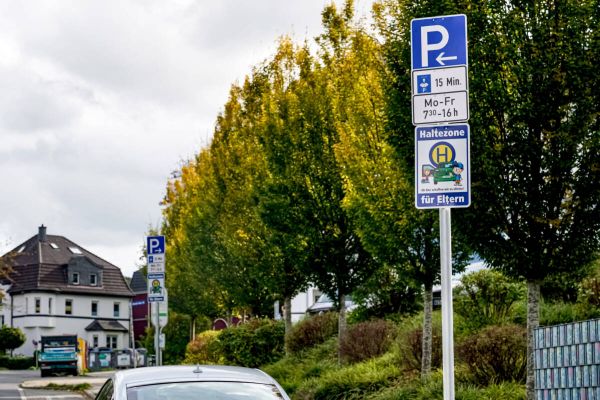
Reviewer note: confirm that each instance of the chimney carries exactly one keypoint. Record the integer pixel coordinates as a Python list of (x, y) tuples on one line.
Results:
[(42, 233)]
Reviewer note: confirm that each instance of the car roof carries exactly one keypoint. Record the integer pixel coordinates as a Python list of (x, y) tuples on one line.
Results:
[(163, 374)]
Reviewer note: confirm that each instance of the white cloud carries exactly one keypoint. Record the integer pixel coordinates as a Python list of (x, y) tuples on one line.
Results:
[(101, 100)]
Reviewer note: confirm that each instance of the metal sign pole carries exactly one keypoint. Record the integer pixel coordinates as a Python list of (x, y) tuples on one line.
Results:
[(157, 335), (447, 316)]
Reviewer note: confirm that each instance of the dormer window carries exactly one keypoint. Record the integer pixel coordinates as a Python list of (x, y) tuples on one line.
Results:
[(93, 280), (75, 250), (54, 245), (75, 278)]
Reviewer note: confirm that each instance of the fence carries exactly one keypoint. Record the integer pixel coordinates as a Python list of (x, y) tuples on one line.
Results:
[(567, 361)]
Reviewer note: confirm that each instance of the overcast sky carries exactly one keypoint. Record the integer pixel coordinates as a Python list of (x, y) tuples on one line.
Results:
[(101, 100)]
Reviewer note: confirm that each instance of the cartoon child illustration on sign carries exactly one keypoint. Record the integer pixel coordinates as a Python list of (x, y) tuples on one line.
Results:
[(426, 172), (457, 169), (156, 288)]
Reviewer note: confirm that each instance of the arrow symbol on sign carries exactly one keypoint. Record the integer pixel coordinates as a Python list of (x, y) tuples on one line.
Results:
[(440, 59)]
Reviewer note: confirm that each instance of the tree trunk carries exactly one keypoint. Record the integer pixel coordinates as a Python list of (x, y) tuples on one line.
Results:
[(341, 325), (287, 314), (427, 334), (533, 321)]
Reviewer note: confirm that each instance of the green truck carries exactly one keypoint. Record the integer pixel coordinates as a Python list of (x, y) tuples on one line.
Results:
[(58, 354)]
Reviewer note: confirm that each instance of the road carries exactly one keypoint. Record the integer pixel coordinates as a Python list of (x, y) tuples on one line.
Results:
[(10, 390)]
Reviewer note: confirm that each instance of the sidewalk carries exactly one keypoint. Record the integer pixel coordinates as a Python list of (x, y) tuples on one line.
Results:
[(94, 379)]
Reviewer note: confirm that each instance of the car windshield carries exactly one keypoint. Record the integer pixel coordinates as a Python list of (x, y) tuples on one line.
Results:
[(205, 391)]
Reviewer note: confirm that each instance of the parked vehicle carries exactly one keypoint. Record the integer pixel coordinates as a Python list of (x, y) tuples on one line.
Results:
[(189, 382), (58, 354), (324, 303)]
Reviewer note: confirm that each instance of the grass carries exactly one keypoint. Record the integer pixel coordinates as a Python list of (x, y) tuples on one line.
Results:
[(79, 387)]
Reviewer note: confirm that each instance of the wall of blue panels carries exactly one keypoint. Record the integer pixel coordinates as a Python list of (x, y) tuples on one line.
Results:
[(567, 361)]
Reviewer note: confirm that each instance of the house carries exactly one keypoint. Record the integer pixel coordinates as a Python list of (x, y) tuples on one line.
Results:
[(57, 287)]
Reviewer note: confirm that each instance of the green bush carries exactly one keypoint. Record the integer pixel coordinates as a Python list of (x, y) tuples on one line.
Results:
[(10, 338), (17, 362), (204, 349), (432, 389), (411, 348), (496, 354), (311, 331), (258, 342), (353, 382), (292, 370), (485, 298), (366, 340)]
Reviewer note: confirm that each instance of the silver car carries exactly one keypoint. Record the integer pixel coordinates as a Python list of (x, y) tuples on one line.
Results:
[(189, 382)]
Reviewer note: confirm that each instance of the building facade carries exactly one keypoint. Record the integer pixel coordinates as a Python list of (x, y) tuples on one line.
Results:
[(57, 287)]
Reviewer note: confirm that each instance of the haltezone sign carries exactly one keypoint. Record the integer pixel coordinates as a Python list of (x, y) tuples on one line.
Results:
[(442, 166)]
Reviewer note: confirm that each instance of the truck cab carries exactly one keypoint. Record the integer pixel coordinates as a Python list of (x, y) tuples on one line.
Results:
[(58, 354)]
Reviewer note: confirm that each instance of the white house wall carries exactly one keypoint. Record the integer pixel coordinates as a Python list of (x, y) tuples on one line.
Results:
[(55, 321), (302, 301)]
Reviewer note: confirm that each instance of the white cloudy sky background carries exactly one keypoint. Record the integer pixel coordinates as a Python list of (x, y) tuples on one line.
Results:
[(101, 100)]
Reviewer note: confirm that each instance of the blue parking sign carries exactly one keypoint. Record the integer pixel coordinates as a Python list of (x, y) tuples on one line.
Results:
[(438, 42), (155, 244)]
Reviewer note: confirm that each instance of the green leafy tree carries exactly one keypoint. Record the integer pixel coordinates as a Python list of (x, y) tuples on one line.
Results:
[(187, 214), (535, 176), (10, 338), (176, 338), (298, 140)]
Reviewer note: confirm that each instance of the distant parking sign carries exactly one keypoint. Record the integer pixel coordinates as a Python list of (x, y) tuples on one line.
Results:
[(155, 244)]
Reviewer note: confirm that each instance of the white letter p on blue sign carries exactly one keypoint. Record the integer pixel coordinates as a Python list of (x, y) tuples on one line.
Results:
[(438, 42), (156, 244)]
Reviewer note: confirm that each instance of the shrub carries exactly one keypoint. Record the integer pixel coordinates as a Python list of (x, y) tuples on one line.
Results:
[(253, 344), (496, 354), (366, 340), (311, 331), (353, 382), (204, 349), (486, 297), (411, 348), (292, 370), (10, 338), (432, 389), (17, 362)]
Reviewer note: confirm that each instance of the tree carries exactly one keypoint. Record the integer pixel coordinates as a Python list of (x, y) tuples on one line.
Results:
[(537, 193), (10, 338), (303, 201), (535, 176)]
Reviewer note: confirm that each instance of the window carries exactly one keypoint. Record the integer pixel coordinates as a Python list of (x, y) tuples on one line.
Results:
[(75, 250), (54, 245), (116, 309), (95, 341), (111, 341), (75, 279), (38, 305), (68, 306), (106, 392), (93, 279), (50, 306), (94, 308), (26, 305)]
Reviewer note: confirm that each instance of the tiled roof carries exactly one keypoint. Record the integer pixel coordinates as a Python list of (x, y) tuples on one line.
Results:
[(139, 283), (42, 265), (105, 325)]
